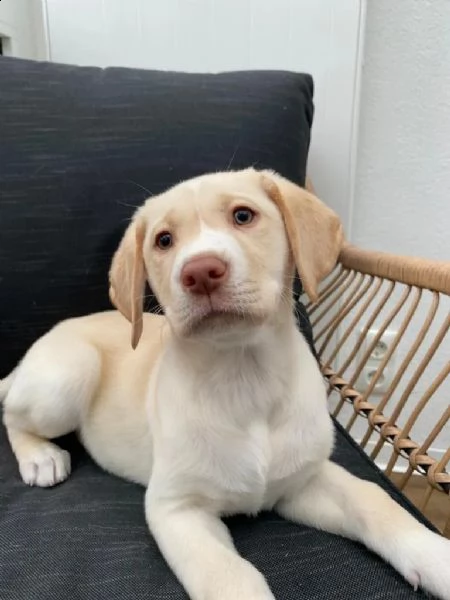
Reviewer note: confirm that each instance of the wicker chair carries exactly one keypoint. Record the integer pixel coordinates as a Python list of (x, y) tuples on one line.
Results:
[(375, 291)]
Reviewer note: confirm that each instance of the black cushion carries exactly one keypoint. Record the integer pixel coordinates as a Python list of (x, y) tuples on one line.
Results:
[(81, 147), (87, 539)]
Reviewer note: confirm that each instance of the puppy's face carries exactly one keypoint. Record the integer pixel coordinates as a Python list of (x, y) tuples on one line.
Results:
[(219, 252), (216, 254)]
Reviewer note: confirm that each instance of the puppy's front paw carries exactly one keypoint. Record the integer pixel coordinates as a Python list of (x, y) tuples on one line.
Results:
[(46, 466), (426, 563)]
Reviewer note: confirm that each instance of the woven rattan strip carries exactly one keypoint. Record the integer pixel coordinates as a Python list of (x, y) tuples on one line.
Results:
[(429, 274)]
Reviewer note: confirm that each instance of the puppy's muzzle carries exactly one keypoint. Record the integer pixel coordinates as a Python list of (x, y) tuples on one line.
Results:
[(204, 275)]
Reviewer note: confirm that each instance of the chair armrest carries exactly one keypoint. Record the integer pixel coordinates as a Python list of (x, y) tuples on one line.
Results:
[(402, 425), (430, 274)]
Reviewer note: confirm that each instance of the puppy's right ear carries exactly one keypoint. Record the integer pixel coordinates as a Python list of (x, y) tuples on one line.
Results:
[(127, 277)]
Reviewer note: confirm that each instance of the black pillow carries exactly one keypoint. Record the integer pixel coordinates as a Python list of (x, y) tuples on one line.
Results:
[(80, 147)]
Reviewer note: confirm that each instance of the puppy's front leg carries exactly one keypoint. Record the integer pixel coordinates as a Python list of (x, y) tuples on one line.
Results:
[(198, 548), (336, 501)]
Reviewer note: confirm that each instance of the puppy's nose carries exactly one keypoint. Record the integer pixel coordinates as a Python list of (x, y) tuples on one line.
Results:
[(203, 275)]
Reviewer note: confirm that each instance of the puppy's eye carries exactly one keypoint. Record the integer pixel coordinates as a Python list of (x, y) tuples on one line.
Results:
[(243, 216), (164, 240)]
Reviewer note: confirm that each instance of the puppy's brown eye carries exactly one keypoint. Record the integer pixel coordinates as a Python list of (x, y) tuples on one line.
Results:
[(164, 240), (243, 216)]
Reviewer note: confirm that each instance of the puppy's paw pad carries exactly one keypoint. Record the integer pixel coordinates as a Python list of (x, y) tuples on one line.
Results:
[(47, 466)]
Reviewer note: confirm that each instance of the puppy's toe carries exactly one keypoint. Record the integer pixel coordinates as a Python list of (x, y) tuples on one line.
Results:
[(429, 564), (48, 466), (413, 578), (28, 472)]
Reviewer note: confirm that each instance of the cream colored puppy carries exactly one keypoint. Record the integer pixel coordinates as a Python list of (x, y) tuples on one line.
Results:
[(221, 408)]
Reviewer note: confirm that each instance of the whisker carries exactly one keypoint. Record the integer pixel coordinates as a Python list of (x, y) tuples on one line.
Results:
[(233, 156), (140, 186), (126, 204)]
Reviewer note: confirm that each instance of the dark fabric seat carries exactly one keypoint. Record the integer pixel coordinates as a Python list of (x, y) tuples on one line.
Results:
[(80, 147), (87, 539)]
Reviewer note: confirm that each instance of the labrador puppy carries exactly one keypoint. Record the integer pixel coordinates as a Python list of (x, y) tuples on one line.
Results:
[(220, 406)]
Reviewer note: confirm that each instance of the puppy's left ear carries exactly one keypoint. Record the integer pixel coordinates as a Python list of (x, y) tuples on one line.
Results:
[(314, 231), (127, 277)]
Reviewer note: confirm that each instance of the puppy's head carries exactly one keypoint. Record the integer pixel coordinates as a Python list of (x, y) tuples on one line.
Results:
[(219, 252)]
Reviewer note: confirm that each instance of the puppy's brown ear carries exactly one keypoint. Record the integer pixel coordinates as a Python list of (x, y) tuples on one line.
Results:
[(314, 231), (127, 277)]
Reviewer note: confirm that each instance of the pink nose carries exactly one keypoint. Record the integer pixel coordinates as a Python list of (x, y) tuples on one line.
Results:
[(203, 275)]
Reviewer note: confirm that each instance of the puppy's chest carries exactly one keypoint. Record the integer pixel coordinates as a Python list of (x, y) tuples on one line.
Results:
[(241, 466), (240, 439)]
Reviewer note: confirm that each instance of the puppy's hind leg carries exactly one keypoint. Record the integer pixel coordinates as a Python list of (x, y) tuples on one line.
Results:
[(48, 395)]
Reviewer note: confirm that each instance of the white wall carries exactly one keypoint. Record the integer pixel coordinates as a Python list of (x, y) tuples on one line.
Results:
[(402, 188), (317, 36), (402, 199), (22, 23)]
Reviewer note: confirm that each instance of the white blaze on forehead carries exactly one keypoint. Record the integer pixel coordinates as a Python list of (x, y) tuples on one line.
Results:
[(212, 242)]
